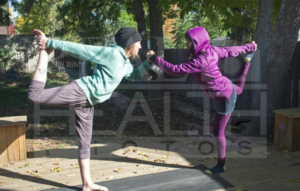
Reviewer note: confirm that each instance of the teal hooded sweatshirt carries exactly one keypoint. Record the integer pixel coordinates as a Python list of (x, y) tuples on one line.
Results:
[(111, 66)]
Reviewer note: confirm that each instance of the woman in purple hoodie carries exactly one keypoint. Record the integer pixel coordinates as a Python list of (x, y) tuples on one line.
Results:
[(205, 67)]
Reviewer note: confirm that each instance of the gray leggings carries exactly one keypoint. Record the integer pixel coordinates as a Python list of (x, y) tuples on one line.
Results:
[(70, 95)]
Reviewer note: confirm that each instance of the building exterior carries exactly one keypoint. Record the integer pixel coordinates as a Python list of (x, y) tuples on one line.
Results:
[(26, 50)]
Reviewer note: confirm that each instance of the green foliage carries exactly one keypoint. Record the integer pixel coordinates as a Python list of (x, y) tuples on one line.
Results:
[(236, 18), (181, 26), (4, 15), (38, 14), (88, 18), (6, 57), (168, 44)]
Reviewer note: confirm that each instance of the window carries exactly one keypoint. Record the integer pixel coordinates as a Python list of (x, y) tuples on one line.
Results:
[(21, 56)]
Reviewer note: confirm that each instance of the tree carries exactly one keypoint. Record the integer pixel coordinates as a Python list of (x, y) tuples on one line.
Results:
[(88, 18), (4, 13), (156, 31), (263, 33), (282, 44), (38, 15), (142, 29), (189, 21)]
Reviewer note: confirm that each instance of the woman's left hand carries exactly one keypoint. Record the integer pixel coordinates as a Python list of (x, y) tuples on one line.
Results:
[(255, 45), (149, 53)]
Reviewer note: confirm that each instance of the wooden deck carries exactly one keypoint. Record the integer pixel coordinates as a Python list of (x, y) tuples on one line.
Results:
[(269, 168)]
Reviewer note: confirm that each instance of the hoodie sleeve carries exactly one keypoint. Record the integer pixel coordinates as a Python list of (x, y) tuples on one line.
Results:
[(225, 52), (194, 66), (84, 52), (138, 73)]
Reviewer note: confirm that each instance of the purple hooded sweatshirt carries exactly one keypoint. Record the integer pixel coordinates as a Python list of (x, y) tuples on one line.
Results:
[(205, 64)]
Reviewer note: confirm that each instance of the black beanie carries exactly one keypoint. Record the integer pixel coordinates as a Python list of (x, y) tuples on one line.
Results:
[(126, 36)]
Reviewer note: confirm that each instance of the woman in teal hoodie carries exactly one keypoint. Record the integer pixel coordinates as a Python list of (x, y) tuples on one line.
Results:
[(112, 65)]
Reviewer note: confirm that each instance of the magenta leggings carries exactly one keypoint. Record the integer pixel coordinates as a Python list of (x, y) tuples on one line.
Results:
[(70, 95), (221, 120)]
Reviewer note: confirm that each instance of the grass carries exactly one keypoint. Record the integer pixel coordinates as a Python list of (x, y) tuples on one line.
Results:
[(13, 97)]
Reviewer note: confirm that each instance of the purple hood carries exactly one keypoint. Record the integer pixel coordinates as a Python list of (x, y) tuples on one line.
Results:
[(200, 39)]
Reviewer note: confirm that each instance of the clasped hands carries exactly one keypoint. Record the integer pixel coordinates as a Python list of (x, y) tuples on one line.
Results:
[(149, 54), (42, 41)]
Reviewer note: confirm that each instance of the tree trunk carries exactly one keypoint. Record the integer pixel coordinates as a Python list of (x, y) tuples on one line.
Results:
[(282, 46), (156, 42), (140, 19), (156, 30), (263, 35)]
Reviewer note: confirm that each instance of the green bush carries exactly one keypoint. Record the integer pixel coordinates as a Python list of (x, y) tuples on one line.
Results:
[(6, 57)]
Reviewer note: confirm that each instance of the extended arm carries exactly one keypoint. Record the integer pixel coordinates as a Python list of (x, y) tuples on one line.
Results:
[(84, 52), (139, 72), (225, 52), (191, 67)]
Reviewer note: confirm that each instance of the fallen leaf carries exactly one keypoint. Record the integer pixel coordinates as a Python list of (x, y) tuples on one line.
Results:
[(285, 151), (157, 160), (57, 163), (165, 157), (144, 158), (27, 164), (110, 177), (134, 150), (296, 181), (62, 159), (141, 153), (3, 182), (135, 171), (238, 189), (266, 153), (120, 168), (57, 169)]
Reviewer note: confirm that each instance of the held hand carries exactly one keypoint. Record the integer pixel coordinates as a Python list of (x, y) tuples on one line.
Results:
[(41, 39), (149, 54), (255, 45)]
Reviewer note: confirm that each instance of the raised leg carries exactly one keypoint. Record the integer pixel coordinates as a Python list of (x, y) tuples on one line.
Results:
[(239, 82)]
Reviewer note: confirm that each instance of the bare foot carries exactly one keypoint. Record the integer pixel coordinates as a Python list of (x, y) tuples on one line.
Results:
[(94, 187)]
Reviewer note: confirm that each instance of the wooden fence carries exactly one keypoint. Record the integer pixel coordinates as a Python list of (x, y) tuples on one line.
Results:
[(229, 68), (64, 60)]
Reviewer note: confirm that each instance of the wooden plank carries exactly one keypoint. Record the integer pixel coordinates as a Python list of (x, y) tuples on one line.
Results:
[(282, 132), (292, 113), (296, 138), (22, 142), (13, 120), (12, 142), (3, 148), (289, 134), (276, 129)]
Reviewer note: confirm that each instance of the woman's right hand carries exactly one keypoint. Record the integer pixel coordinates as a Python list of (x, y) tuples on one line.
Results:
[(41, 39)]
